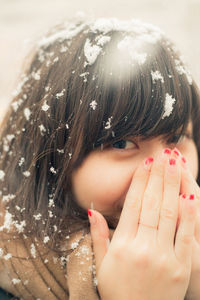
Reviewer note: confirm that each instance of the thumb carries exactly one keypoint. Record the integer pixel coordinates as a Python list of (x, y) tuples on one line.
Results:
[(100, 235)]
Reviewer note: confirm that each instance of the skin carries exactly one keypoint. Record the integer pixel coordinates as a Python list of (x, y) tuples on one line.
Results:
[(105, 176), (117, 168)]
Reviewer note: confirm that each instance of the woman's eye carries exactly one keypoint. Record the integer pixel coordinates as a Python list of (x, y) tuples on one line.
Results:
[(177, 139), (124, 144)]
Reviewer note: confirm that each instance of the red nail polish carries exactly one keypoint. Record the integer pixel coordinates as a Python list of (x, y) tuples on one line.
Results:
[(89, 213), (191, 197), (176, 152), (183, 159), (148, 161), (183, 196), (172, 161), (167, 151)]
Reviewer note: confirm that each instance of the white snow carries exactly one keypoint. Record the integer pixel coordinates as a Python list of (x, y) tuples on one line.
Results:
[(93, 104), (2, 175), (45, 106), (42, 129), (169, 101), (26, 173), (91, 52), (157, 76), (108, 123), (27, 113), (33, 251)]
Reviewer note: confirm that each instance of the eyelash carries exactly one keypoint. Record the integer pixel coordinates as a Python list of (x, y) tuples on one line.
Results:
[(126, 141), (179, 138), (173, 140)]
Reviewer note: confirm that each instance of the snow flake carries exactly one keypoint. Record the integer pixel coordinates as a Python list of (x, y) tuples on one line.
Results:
[(61, 35), (20, 84), (182, 70), (45, 106), (2, 175), (108, 123), (84, 76), (169, 101), (84, 250), (91, 52), (56, 59), (52, 170), (74, 245), (1, 252), (42, 129), (46, 239), (26, 173), (36, 75), (60, 150), (16, 104), (50, 214), (47, 88), (21, 161), (7, 221), (7, 198), (20, 226), (63, 49), (10, 137), (8, 256), (93, 104), (37, 217), (51, 203), (134, 47), (27, 113), (59, 95), (102, 40), (157, 76), (16, 281), (33, 251)]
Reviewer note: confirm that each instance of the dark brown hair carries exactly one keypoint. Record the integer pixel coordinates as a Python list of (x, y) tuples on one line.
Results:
[(53, 123)]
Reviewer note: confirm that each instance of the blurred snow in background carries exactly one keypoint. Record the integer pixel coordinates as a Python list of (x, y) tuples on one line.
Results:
[(23, 21)]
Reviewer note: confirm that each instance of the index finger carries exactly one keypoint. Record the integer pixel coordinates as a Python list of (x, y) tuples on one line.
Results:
[(130, 214)]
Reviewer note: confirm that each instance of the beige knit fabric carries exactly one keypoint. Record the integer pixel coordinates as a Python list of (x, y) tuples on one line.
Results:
[(32, 272)]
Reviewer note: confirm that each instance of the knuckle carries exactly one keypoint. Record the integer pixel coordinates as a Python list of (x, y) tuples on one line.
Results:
[(142, 257), (150, 201), (179, 275), (132, 203), (173, 181), (167, 213), (186, 239), (158, 170), (119, 250)]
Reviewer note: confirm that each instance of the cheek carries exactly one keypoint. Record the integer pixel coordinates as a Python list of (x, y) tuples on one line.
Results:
[(101, 185)]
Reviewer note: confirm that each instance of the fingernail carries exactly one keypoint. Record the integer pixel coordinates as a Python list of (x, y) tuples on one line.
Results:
[(172, 162), (91, 217), (167, 151), (176, 152), (183, 196), (191, 197), (148, 161), (183, 159)]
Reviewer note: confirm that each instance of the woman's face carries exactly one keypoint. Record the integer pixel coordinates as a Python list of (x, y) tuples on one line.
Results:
[(104, 177)]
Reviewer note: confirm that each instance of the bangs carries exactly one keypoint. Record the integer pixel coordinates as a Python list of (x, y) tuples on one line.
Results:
[(134, 102)]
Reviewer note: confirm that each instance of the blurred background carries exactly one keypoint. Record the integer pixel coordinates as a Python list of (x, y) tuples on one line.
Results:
[(23, 21)]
